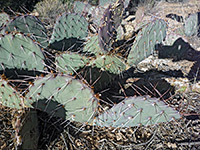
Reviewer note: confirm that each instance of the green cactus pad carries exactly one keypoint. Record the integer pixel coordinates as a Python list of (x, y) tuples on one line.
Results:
[(147, 38), (3, 19), (191, 25), (105, 3), (109, 63), (29, 25), (10, 97), (70, 62), (68, 29), (83, 8), (19, 51), (137, 110), (63, 96), (92, 46)]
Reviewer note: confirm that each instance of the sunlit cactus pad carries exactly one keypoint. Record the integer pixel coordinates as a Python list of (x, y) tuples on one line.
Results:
[(3, 19), (133, 111), (192, 24), (19, 51), (63, 96), (70, 62), (144, 44), (105, 3), (69, 26), (92, 46), (83, 8), (29, 25), (10, 97), (109, 63)]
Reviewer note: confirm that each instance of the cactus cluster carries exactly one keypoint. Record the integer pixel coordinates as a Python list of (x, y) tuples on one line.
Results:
[(67, 91)]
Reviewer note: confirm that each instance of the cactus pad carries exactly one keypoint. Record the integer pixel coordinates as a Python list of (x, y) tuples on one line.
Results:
[(107, 32), (109, 63), (63, 96), (105, 3), (92, 46), (83, 8), (136, 110), (117, 12), (3, 19), (29, 25), (69, 28), (147, 38), (192, 24), (70, 62), (10, 97), (19, 51)]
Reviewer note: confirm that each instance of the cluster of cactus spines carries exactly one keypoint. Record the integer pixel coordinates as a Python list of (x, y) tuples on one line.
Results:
[(70, 62), (10, 97), (192, 25), (133, 111), (18, 51), (63, 96), (68, 27), (144, 44), (29, 25), (4, 18)]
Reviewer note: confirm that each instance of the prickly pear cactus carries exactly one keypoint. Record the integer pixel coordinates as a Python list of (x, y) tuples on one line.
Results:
[(144, 44), (111, 20), (10, 97), (107, 31), (3, 19), (63, 96), (83, 8), (92, 46), (105, 3), (109, 63), (68, 29), (29, 25), (136, 110), (192, 24), (70, 62), (19, 51), (117, 12)]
